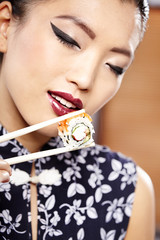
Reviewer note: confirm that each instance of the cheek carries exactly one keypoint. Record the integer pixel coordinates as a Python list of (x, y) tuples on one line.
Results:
[(103, 93), (29, 63)]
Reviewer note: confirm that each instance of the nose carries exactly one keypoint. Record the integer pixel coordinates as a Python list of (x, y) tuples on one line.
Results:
[(83, 71)]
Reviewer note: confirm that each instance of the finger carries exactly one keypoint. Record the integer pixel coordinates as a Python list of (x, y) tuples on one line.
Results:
[(5, 166), (4, 176)]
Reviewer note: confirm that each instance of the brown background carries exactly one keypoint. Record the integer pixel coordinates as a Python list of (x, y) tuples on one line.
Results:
[(130, 123)]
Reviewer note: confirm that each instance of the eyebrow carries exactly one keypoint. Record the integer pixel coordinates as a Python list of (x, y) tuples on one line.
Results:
[(79, 23), (92, 35), (123, 51)]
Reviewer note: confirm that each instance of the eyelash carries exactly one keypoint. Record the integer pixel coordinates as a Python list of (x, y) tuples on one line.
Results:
[(71, 43), (116, 70), (64, 38)]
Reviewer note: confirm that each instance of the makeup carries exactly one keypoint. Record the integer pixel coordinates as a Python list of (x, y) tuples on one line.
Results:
[(63, 37), (63, 103)]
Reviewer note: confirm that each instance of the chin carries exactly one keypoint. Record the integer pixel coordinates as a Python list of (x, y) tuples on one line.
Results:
[(49, 131)]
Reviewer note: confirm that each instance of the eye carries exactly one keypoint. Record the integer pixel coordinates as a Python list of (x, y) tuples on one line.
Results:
[(64, 38), (116, 69)]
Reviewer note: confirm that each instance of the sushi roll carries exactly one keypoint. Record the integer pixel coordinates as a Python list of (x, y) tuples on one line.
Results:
[(76, 131)]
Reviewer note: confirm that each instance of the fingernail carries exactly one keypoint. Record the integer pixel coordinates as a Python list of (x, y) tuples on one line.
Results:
[(5, 176)]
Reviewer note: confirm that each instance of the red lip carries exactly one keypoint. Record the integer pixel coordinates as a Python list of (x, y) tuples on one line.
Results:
[(60, 109)]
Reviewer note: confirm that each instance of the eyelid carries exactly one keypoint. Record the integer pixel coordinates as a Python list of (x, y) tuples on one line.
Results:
[(63, 36), (116, 69)]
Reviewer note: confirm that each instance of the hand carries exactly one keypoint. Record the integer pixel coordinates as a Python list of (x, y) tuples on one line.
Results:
[(5, 171)]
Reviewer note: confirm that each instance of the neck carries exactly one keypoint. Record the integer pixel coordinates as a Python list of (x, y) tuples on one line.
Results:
[(33, 142), (11, 119)]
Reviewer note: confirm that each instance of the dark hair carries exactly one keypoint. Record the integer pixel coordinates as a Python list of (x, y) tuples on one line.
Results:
[(143, 7), (20, 9)]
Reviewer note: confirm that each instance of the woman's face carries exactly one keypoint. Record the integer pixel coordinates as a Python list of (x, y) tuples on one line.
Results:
[(69, 54)]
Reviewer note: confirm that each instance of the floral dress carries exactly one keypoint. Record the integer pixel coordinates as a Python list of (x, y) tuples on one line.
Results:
[(88, 194)]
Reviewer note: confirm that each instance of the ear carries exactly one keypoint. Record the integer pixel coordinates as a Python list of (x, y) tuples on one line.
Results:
[(5, 17)]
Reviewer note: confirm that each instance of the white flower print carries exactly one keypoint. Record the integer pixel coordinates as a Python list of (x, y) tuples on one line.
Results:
[(55, 219), (9, 224), (84, 171), (130, 168), (73, 210), (117, 167), (96, 179), (84, 152), (3, 144), (29, 217), (123, 234), (55, 142), (118, 208), (26, 192), (79, 218), (130, 175), (81, 159), (115, 210), (18, 149), (107, 236), (78, 212), (118, 215), (127, 173), (73, 173), (103, 189), (49, 222), (80, 235), (39, 163), (58, 143), (53, 232), (97, 149), (75, 188), (66, 155), (68, 174), (5, 187), (93, 151), (6, 217), (129, 204), (45, 191)]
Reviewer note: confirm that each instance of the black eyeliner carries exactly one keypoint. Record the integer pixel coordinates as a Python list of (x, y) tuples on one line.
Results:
[(63, 36), (118, 70)]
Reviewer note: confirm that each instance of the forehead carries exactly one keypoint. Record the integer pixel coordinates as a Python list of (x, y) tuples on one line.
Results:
[(116, 19)]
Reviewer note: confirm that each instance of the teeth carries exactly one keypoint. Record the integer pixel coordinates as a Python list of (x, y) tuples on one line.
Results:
[(64, 102), (70, 105), (57, 98)]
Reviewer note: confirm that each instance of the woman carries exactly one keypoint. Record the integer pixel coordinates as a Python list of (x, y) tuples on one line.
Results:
[(60, 56)]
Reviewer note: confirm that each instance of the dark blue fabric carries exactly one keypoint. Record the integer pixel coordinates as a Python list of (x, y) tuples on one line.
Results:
[(93, 199)]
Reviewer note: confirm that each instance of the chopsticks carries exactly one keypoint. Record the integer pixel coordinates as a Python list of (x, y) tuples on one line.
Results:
[(37, 126), (37, 155)]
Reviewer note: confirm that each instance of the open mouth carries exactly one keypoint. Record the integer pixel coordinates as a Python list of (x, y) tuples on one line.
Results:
[(63, 103)]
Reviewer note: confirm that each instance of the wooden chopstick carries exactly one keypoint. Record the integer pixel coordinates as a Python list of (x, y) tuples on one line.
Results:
[(46, 153), (37, 126)]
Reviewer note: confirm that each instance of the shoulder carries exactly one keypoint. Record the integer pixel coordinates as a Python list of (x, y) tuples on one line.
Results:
[(116, 160), (117, 168), (142, 221)]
